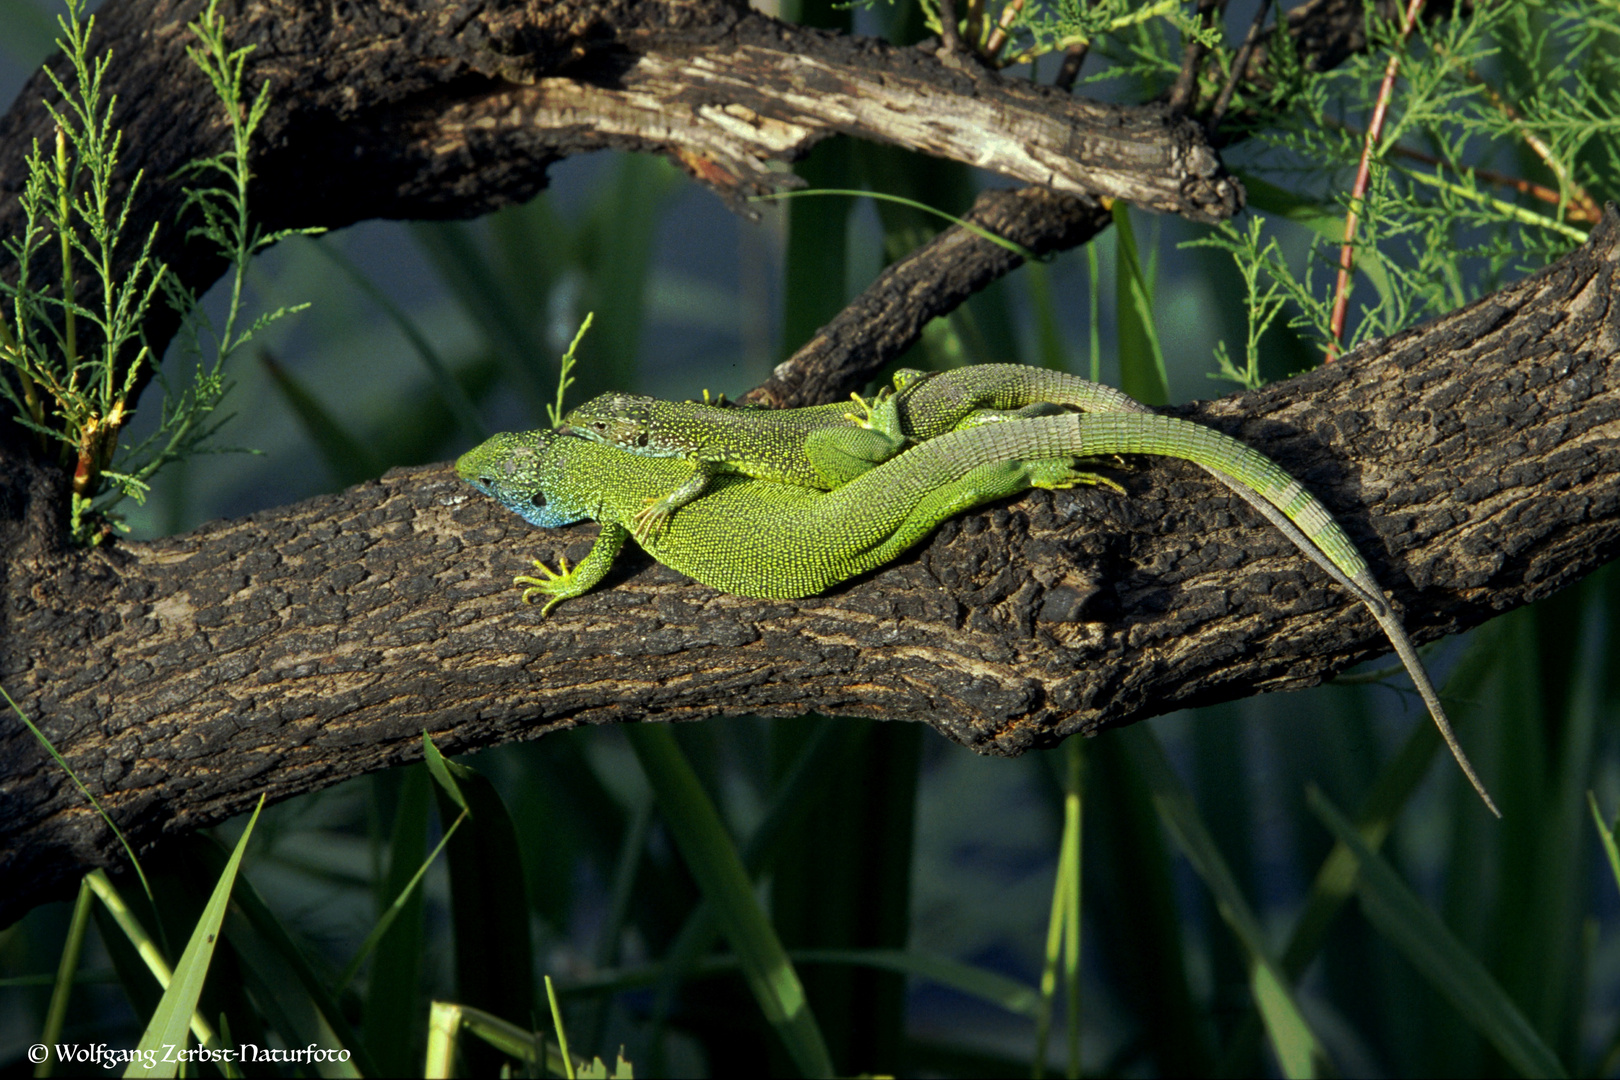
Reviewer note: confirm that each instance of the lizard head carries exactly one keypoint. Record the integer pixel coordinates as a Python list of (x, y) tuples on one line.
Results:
[(622, 420), (523, 472)]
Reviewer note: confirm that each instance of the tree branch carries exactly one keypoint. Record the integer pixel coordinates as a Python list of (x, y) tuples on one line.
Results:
[(454, 109), (1475, 460), (939, 276), (296, 648)]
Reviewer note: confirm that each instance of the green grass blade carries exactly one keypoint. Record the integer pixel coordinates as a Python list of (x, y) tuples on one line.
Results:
[(562, 1032), (794, 795), (848, 886), (453, 249), (399, 904), (713, 860), (63, 987), (1291, 1037), (169, 1024), (279, 1001), (145, 946), (447, 1020), (624, 883), (1006, 993), (251, 918), (389, 1020), (815, 274), (1016, 997), (107, 818), (1391, 791), (439, 767), (1431, 947), (1063, 924), (1135, 891), (1050, 351), (450, 392), (1141, 360), (1094, 312), (626, 874), (1073, 850), (900, 200), (1606, 835), (488, 894), (347, 458), (1049, 967), (616, 249)]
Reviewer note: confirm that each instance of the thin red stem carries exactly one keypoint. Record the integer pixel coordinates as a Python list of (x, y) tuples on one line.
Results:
[(1347, 254)]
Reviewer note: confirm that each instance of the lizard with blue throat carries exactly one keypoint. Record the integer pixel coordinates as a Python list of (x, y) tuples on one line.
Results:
[(761, 537)]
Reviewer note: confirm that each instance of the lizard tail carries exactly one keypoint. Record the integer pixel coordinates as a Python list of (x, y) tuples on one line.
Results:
[(1285, 503), (1420, 678), (1365, 589)]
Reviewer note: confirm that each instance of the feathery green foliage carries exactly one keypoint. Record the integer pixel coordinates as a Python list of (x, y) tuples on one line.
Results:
[(75, 355)]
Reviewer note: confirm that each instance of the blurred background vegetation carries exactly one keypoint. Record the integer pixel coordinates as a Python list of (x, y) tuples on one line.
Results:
[(913, 882)]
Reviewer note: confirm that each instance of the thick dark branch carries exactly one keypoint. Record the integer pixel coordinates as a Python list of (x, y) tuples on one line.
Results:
[(453, 109), (1475, 460), (889, 316)]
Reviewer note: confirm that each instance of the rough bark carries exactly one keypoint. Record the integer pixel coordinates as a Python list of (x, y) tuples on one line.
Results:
[(1476, 461)]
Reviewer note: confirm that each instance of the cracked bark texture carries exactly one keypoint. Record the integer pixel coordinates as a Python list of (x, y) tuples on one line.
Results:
[(1472, 459)]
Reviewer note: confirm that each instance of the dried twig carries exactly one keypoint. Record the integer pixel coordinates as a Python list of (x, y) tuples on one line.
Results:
[(998, 36), (1184, 94), (1347, 254), (950, 39), (1585, 207), (1577, 211), (1239, 66), (1073, 57)]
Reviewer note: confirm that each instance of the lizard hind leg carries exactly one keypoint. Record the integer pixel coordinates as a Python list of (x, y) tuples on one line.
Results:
[(651, 519), (1055, 474), (841, 454)]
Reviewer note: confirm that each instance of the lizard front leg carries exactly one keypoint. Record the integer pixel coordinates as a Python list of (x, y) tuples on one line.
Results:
[(651, 519), (564, 583)]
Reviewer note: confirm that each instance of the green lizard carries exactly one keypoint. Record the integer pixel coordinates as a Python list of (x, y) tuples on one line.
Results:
[(819, 447), (762, 538), (825, 446)]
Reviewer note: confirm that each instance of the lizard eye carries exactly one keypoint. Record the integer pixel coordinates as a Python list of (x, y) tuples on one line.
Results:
[(600, 426), (538, 498), (642, 439)]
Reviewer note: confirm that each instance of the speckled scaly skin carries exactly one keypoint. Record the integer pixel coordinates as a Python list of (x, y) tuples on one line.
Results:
[(767, 539), (825, 446)]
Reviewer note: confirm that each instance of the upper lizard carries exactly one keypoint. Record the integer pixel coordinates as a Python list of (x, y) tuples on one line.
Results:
[(824, 446)]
